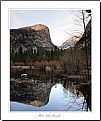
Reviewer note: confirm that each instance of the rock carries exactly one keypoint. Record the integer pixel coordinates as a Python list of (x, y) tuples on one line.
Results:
[(31, 37), (71, 41), (48, 68)]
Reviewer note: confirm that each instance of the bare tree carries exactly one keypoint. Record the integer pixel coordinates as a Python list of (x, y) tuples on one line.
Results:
[(84, 16)]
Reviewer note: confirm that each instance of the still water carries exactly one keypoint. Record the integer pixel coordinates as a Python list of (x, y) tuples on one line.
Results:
[(43, 76), (60, 99), (38, 88)]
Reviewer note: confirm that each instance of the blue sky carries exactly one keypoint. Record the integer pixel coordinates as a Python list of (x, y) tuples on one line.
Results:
[(58, 21)]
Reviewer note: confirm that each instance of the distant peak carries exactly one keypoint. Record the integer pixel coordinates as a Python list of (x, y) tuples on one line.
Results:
[(35, 27), (38, 27)]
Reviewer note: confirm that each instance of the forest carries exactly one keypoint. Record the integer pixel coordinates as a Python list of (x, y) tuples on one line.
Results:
[(71, 61)]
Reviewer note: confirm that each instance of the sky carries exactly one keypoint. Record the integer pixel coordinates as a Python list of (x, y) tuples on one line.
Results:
[(61, 23)]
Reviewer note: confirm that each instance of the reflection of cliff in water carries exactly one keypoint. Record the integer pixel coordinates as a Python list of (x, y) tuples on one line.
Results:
[(60, 99), (36, 89), (29, 91)]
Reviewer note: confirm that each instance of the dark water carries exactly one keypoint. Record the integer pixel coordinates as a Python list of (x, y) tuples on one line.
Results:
[(26, 92), (41, 76), (45, 77)]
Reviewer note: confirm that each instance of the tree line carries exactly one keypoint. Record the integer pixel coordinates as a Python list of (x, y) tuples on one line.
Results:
[(71, 60)]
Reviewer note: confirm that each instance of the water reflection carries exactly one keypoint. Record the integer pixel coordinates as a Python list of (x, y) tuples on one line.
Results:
[(59, 100), (40, 75), (36, 89)]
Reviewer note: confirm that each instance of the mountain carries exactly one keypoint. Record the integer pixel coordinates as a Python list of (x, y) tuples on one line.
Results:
[(71, 41), (31, 37), (78, 40)]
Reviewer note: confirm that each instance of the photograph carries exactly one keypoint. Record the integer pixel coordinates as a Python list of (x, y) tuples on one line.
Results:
[(50, 63), (50, 60)]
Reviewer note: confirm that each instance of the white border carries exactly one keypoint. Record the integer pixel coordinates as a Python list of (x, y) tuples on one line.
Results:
[(5, 60)]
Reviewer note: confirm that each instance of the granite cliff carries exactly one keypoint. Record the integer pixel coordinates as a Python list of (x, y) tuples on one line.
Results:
[(31, 37)]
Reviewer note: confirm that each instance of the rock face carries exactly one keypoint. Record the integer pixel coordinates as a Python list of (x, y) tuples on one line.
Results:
[(71, 41), (78, 40), (31, 37)]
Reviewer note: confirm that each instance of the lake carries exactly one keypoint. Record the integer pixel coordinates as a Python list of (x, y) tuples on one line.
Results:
[(36, 89), (60, 99)]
